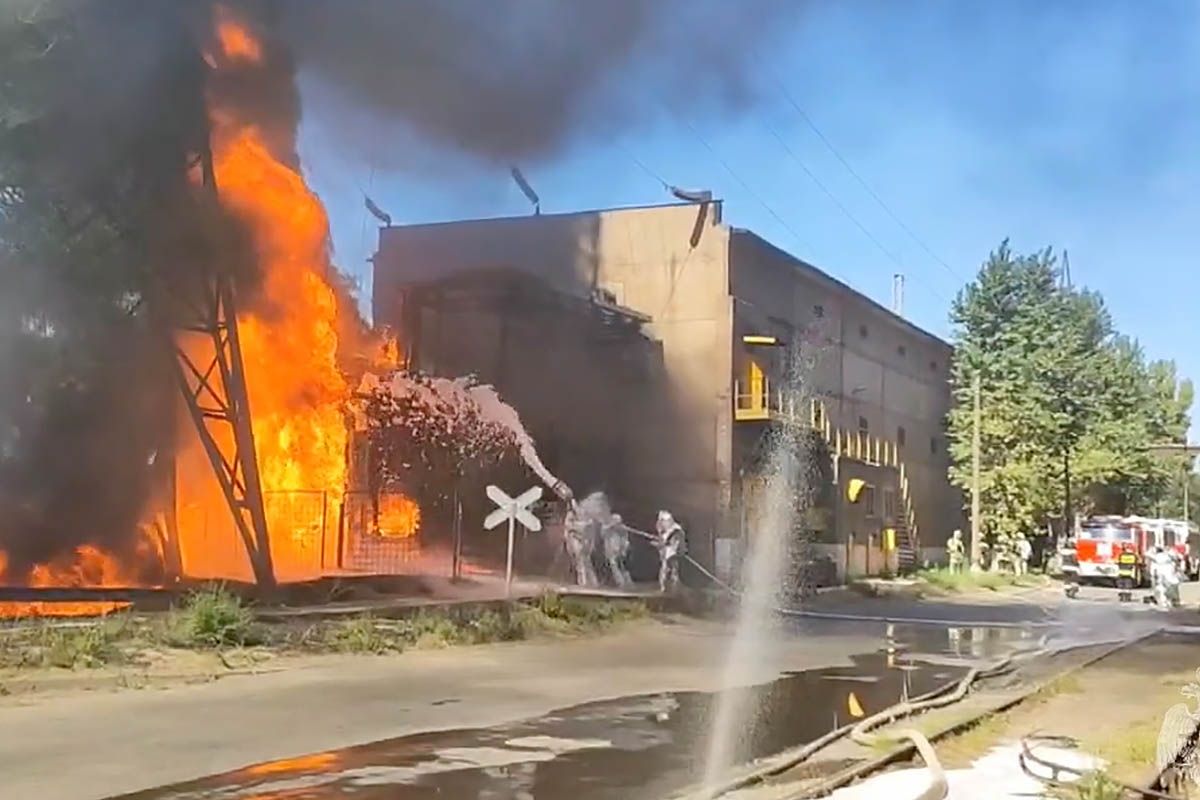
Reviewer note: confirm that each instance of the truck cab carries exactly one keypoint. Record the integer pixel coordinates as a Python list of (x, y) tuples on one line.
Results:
[(1100, 543)]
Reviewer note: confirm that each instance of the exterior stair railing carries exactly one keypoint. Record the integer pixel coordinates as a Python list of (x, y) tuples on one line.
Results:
[(759, 403)]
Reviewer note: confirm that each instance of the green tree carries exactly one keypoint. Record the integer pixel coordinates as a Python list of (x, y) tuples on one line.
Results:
[(1064, 396), (101, 108)]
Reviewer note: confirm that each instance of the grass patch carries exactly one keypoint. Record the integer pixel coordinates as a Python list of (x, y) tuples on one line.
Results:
[(942, 580), (1068, 683), (575, 613), (1130, 751), (549, 614), (69, 646), (361, 635), (1095, 785), (212, 617)]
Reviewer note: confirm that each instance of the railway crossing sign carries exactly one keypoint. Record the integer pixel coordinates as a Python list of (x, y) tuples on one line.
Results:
[(512, 510)]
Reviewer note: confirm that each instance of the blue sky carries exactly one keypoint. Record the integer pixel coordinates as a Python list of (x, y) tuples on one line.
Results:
[(1075, 126)]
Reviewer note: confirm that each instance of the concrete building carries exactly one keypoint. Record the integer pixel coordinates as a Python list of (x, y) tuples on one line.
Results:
[(648, 351)]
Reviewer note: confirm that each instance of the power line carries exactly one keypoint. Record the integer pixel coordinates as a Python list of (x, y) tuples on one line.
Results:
[(643, 167), (746, 186), (820, 185), (862, 182)]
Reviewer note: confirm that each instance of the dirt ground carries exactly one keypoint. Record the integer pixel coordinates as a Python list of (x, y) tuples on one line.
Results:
[(1113, 708)]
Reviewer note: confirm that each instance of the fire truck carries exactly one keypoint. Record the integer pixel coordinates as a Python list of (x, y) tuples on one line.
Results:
[(1100, 543), (1183, 539)]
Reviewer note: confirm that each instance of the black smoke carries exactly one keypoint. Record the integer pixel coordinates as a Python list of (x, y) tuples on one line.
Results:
[(516, 79), (101, 109), (103, 106)]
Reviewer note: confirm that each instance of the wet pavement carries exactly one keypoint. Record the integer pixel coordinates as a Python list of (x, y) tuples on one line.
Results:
[(637, 747)]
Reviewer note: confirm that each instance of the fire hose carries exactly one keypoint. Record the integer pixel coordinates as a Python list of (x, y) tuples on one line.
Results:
[(789, 760), (1027, 757), (831, 615), (860, 732)]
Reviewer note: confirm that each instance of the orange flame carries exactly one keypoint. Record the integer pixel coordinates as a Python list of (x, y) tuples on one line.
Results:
[(52, 608), (299, 397), (399, 516), (238, 45), (87, 567), (90, 567)]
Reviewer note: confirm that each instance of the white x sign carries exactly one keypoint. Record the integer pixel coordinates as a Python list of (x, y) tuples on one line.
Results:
[(512, 510), (517, 508)]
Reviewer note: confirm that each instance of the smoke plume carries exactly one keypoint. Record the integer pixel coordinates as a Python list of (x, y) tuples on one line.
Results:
[(516, 79), (100, 108)]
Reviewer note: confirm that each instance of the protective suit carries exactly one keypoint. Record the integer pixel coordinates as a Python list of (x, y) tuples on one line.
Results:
[(955, 551), (616, 549), (1024, 550), (579, 539), (672, 544), (1164, 573)]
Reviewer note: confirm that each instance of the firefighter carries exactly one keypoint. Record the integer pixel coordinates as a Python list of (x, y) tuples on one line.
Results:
[(615, 538), (579, 541), (672, 544), (1127, 577), (955, 550), (1024, 550), (1165, 575)]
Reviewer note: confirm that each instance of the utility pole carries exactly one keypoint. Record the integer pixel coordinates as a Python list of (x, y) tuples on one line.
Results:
[(1068, 522), (1187, 478), (976, 526)]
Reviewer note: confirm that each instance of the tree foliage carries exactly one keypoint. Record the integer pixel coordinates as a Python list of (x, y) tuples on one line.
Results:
[(428, 435), (101, 108), (1062, 393)]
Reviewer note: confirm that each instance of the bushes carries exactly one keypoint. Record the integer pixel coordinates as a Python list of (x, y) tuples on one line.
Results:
[(579, 614), (548, 614), (943, 580), (215, 618), (212, 617), (360, 635), (66, 646)]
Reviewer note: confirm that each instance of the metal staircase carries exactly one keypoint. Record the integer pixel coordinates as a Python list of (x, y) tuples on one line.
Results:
[(759, 403)]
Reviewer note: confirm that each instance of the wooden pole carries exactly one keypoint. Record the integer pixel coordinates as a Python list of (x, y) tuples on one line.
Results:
[(976, 522), (512, 524), (456, 563)]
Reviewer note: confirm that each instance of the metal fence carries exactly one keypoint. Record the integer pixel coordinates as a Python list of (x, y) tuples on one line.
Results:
[(300, 523), (364, 549)]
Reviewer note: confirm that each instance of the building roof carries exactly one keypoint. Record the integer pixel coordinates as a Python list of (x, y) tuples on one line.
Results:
[(553, 216), (837, 285), (812, 271)]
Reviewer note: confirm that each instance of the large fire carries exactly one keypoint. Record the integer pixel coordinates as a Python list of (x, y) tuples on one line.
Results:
[(299, 394), (88, 566)]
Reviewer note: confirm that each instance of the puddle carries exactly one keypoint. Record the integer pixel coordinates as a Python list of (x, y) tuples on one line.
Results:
[(637, 747)]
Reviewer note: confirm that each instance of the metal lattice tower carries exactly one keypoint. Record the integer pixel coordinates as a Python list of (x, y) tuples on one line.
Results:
[(214, 389)]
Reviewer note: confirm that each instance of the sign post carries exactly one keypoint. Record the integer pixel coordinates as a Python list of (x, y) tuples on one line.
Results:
[(512, 510)]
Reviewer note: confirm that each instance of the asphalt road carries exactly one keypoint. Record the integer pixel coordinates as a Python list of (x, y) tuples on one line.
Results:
[(86, 745), (91, 745)]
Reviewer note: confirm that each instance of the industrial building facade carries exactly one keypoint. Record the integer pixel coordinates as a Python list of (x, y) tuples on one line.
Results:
[(646, 351)]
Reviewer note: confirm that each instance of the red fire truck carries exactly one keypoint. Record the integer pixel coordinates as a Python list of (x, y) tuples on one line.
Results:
[(1100, 541)]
